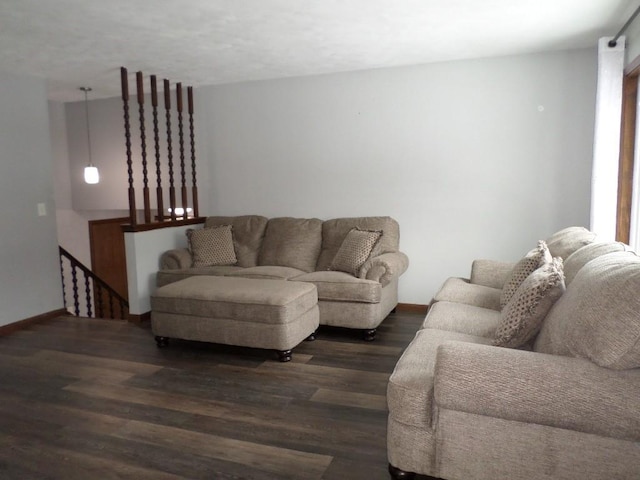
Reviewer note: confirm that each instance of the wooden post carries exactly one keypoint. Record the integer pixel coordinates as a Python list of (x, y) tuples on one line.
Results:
[(172, 189), (143, 149), (156, 142), (194, 187), (181, 139), (127, 135)]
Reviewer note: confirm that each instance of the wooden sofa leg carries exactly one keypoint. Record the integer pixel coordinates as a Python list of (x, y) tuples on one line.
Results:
[(397, 474), (162, 341), (284, 355), (311, 337), (370, 335)]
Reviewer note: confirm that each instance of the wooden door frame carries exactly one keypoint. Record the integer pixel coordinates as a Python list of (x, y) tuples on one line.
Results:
[(627, 153)]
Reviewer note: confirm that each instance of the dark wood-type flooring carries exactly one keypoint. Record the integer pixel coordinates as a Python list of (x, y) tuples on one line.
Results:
[(96, 399)]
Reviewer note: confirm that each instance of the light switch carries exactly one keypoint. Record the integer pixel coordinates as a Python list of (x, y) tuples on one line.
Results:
[(42, 209)]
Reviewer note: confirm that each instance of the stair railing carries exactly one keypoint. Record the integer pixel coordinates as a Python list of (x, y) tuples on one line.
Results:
[(95, 291)]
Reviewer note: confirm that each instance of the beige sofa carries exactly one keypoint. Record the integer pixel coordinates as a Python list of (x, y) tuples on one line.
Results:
[(566, 405), (302, 250)]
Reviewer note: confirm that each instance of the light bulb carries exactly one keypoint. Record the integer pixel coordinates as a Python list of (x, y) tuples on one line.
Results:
[(91, 174)]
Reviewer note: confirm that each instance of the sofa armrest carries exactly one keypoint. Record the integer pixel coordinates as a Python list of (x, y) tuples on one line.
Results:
[(490, 273), (384, 268), (176, 259), (530, 387)]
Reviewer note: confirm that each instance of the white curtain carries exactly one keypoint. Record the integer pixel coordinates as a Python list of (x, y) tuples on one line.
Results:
[(606, 143)]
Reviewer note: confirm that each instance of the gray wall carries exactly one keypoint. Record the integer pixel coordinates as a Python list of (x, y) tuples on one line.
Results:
[(29, 267), (476, 158)]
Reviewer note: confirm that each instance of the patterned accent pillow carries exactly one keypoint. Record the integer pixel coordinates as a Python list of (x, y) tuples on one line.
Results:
[(212, 246), (530, 262), (355, 250), (522, 317)]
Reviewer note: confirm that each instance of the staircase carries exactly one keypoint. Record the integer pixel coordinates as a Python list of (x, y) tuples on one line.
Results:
[(86, 294)]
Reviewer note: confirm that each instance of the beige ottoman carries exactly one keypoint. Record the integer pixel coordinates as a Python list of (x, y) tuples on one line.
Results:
[(274, 314)]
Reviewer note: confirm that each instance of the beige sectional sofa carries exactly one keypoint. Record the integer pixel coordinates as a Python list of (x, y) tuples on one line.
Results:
[(303, 250), (564, 405)]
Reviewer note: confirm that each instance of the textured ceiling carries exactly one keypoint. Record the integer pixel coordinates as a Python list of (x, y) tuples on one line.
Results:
[(204, 42)]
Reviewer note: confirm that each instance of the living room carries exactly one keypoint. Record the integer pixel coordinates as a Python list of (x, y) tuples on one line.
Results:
[(472, 156), (460, 148)]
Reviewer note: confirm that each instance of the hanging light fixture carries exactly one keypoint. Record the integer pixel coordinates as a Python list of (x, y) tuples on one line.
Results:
[(91, 174)]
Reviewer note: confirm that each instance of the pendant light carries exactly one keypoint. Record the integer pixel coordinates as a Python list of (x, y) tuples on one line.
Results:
[(91, 174)]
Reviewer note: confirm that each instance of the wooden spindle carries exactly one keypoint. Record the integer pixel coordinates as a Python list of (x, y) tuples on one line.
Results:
[(143, 149), (156, 141), (110, 305), (127, 135), (172, 188), (97, 298), (76, 295), (64, 293), (123, 315), (194, 187), (87, 291), (156, 145), (183, 176)]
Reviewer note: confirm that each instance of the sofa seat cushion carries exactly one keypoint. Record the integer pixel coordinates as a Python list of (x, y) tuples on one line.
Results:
[(267, 272), (410, 388), (263, 301), (598, 316), (292, 242), (462, 318), (459, 290), (342, 287), (165, 277)]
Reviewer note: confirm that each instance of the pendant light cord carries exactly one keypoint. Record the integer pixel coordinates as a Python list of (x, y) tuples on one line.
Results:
[(86, 90)]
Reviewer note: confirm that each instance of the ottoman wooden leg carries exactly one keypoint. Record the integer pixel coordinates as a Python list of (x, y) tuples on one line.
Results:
[(311, 337), (162, 341), (397, 474), (370, 335), (284, 355)]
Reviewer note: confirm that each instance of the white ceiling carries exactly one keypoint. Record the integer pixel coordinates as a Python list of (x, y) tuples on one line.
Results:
[(202, 42)]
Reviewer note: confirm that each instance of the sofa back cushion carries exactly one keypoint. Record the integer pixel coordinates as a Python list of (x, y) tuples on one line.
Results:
[(248, 232), (584, 255), (566, 241), (292, 242), (335, 230), (598, 317)]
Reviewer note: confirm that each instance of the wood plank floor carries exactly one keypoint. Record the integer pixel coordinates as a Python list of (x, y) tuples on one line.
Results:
[(96, 399)]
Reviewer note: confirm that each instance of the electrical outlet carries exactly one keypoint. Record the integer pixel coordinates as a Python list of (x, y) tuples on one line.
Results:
[(42, 209)]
